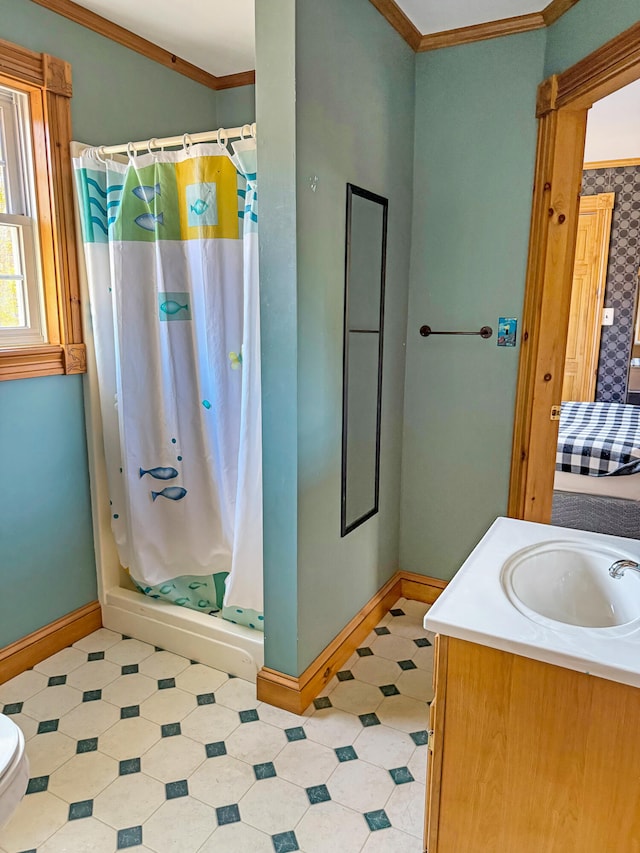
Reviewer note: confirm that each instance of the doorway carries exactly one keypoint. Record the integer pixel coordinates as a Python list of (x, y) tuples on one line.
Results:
[(562, 106)]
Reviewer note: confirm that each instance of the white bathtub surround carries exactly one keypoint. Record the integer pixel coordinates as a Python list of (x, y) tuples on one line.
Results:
[(476, 606), (157, 752)]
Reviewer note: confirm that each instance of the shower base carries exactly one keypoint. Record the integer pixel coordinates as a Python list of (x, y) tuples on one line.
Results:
[(197, 636)]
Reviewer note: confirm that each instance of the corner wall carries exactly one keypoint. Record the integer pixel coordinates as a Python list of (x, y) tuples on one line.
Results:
[(475, 148), (347, 79), (474, 161), (354, 124)]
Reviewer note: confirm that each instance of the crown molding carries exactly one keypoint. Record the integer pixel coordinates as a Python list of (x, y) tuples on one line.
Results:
[(231, 81), (482, 32), (92, 21), (612, 164), (476, 32), (556, 10)]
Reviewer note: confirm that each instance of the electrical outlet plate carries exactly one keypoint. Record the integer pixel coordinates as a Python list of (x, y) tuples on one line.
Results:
[(607, 316)]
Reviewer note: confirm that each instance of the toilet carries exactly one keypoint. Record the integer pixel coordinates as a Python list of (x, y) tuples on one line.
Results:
[(14, 768)]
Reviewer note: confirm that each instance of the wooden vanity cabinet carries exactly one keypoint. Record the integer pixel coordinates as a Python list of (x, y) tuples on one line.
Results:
[(527, 757)]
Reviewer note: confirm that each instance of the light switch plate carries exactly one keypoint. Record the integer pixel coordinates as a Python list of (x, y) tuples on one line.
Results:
[(507, 328), (607, 316)]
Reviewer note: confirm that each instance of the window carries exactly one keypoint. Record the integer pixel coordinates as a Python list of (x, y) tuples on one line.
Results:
[(21, 320), (40, 324)]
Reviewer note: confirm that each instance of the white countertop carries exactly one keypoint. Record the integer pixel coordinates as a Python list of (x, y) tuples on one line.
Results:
[(475, 607)]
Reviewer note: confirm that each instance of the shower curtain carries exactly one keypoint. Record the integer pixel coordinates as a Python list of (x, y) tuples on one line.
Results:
[(170, 244)]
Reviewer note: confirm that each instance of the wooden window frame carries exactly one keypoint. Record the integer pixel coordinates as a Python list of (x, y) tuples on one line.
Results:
[(562, 106), (47, 82)]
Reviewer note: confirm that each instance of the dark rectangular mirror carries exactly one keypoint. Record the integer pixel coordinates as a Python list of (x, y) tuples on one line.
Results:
[(365, 265)]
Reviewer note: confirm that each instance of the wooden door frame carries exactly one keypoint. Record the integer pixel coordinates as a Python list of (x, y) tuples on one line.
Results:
[(562, 105)]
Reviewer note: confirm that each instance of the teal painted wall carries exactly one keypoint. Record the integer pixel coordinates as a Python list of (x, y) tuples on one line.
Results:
[(586, 27), (475, 146), (236, 107), (46, 551), (355, 79), (117, 94), (276, 115), (474, 161)]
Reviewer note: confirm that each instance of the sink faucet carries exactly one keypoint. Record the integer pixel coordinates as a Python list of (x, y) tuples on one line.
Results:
[(618, 569)]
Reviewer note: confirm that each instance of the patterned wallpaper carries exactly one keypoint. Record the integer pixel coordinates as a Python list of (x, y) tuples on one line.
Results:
[(622, 276)]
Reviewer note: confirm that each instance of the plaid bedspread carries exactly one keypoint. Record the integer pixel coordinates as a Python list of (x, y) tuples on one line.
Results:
[(599, 439)]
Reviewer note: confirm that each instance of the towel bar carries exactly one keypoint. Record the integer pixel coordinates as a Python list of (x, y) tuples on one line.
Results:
[(485, 332)]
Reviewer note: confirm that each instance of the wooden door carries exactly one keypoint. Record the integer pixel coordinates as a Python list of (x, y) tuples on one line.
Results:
[(587, 297)]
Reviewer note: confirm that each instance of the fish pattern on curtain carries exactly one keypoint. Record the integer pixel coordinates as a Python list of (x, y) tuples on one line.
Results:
[(170, 245)]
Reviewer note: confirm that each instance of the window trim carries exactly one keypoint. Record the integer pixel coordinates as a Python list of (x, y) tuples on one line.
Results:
[(47, 82)]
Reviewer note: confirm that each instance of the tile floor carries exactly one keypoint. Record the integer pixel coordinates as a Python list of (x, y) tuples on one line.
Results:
[(136, 747)]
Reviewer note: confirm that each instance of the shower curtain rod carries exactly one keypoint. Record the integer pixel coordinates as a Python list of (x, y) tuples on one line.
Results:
[(222, 135)]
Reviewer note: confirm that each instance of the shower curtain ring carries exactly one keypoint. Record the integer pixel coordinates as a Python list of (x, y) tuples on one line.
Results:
[(152, 143), (187, 144), (222, 134), (98, 154), (254, 130), (131, 151), (248, 133)]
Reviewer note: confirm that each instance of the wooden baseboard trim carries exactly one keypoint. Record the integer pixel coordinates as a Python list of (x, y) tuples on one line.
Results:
[(296, 694), (30, 650), (420, 587)]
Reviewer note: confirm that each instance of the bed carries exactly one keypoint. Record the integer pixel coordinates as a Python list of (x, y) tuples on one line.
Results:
[(597, 478)]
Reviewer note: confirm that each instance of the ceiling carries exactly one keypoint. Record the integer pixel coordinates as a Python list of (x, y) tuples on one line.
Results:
[(433, 16), (613, 126), (218, 35)]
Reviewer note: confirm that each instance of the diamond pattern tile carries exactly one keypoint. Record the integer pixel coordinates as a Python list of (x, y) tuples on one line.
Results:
[(264, 771), (228, 814), (89, 744), (401, 775), (82, 809), (296, 733), (318, 794), (177, 789), (129, 765), (214, 750), (377, 820), (285, 842), (129, 837), (346, 753), (129, 745)]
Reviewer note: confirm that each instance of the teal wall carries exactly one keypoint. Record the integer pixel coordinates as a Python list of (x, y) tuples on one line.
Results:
[(326, 107), (474, 161), (586, 27), (46, 550), (354, 124), (276, 116), (236, 107), (118, 95), (475, 147)]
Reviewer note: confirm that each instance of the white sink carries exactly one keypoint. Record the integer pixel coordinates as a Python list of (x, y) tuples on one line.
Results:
[(566, 585)]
